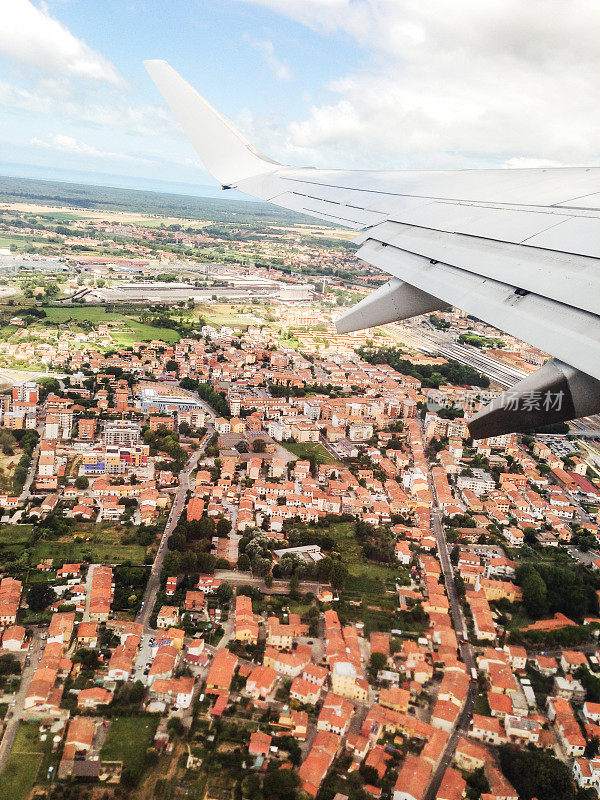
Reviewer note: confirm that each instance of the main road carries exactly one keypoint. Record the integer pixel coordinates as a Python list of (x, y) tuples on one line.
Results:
[(466, 651), (153, 584)]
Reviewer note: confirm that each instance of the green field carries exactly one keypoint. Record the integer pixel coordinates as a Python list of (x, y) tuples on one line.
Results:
[(15, 534), (103, 552), (365, 578), (127, 740), (29, 758), (130, 332), (307, 450), (88, 541), (14, 540), (84, 542), (224, 314)]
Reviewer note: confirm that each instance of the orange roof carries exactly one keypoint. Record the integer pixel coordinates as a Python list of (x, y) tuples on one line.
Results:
[(413, 777)]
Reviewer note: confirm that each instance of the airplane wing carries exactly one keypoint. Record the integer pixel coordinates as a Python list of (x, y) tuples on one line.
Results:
[(519, 249)]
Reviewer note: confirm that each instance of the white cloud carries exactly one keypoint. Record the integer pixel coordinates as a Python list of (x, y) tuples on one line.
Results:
[(72, 146), (55, 73), (114, 112), (279, 68), (83, 152), (462, 83), (31, 37)]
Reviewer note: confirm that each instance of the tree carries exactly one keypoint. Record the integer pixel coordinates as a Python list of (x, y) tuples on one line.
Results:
[(280, 784), (294, 586), (7, 443), (81, 482), (530, 535), (535, 595), (224, 593), (259, 446), (378, 661), (339, 575), (251, 786), (592, 747), (88, 658), (40, 596), (243, 563), (223, 527), (536, 774)]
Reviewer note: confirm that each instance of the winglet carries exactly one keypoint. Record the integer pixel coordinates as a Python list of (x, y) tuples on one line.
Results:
[(226, 154)]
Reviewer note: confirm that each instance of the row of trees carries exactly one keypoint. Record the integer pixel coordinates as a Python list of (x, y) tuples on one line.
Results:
[(551, 588), (452, 372), (217, 400)]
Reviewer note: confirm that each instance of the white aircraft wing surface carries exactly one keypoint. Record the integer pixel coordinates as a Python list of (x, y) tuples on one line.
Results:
[(518, 248)]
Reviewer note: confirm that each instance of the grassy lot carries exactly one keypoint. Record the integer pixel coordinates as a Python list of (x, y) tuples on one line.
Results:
[(102, 552), (307, 450), (366, 578), (131, 330), (14, 540), (88, 541), (128, 739), (29, 758), (85, 542), (7, 468), (225, 314), (482, 705), (15, 534)]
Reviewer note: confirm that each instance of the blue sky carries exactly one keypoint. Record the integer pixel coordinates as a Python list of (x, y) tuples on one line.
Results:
[(244, 58), (341, 83)]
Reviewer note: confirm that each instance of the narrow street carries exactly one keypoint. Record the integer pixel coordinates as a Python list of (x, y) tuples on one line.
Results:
[(16, 710), (88, 592), (234, 536), (184, 486), (26, 490)]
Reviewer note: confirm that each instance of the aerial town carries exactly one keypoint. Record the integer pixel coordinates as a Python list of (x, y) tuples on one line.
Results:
[(242, 555)]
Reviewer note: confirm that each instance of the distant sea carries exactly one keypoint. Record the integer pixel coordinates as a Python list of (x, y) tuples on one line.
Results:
[(118, 181)]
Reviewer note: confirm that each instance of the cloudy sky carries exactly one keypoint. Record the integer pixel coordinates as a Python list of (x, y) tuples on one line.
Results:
[(343, 83)]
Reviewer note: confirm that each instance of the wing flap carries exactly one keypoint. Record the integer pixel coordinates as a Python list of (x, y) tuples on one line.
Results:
[(570, 334), (572, 280)]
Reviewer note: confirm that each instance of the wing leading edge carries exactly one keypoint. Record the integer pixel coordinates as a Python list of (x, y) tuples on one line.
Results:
[(517, 248)]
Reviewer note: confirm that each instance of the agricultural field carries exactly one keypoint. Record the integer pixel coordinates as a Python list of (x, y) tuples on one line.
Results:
[(226, 314), (128, 330)]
